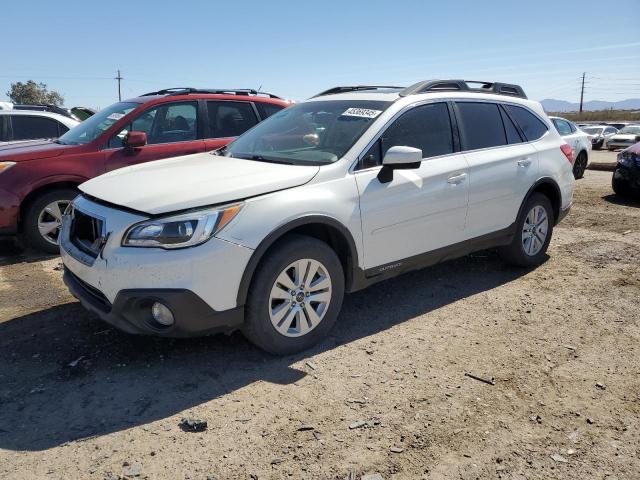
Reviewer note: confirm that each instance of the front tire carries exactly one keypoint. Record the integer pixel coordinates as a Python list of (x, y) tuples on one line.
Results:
[(295, 296), (43, 219), (534, 228)]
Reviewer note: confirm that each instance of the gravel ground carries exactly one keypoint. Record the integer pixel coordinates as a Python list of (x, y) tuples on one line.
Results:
[(385, 394)]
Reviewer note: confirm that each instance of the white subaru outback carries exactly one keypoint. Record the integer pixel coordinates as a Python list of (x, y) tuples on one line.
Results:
[(356, 185)]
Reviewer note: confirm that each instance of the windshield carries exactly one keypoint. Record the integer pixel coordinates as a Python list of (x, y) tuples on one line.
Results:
[(630, 130), (592, 130), (95, 125), (310, 133)]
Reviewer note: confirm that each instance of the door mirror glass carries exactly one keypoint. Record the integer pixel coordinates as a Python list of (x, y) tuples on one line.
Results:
[(402, 157), (135, 139)]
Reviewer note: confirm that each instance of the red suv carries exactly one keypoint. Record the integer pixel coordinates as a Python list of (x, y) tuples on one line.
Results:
[(39, 178)]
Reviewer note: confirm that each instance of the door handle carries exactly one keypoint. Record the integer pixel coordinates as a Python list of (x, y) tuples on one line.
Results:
[(524, 162), (456, 179)]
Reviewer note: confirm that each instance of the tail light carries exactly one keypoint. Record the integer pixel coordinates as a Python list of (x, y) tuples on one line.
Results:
[(566, 149)]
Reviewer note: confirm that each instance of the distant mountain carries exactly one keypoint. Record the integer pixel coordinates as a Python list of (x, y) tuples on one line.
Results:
[(551, 105)]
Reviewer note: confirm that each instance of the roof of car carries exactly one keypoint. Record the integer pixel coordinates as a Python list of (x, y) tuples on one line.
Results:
[(39, 113), (217, 93)]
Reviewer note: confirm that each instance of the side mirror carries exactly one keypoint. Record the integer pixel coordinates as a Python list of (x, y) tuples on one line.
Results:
[(135, 139), (399, 158)]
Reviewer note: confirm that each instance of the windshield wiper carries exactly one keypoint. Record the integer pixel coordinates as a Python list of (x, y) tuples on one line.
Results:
[(260, 158)]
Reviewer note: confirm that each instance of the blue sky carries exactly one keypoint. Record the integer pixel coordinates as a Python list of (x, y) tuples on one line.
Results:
[(297, 48)]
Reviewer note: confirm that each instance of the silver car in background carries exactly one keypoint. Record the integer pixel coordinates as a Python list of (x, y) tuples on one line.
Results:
[(599, 135)]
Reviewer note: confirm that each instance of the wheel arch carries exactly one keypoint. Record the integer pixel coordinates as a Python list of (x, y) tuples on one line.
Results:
[(324, 228), (41, 189), (548, 187)]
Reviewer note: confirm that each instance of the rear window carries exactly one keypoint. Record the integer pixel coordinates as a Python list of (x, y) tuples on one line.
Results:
[(481, 125), (26, 127), (531, 126), (230, 119)]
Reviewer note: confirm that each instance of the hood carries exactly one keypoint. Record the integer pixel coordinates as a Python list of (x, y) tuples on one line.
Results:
[(19, 151), (193, 181)]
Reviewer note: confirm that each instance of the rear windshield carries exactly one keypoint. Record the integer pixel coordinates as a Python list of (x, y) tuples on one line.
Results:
[(310, 133), (95, 125)]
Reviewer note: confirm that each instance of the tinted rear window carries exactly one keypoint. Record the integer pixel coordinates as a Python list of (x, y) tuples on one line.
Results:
[(26, 128), (481, 125), (531, 126)]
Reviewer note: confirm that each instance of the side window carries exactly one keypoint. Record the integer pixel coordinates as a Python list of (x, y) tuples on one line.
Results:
[(481, 125), (427, 127), (531, 125), (573, 128), (166, 123), (230, 119), (26, 127), (267, 109), (513, 136), (62, 129), (4, 128), (562, 127)]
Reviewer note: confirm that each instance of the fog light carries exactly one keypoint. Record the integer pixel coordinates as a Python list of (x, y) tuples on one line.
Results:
[(162, 314)]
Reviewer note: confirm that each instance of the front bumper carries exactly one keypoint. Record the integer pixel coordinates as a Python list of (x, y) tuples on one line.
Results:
[(9, 210), (131, 311), (629, 176)]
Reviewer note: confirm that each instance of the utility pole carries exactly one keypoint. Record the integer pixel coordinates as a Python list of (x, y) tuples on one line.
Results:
[(119, 78), (582, 91)]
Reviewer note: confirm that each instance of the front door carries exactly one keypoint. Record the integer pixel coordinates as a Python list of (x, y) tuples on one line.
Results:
[(422, 209), (172, 130)]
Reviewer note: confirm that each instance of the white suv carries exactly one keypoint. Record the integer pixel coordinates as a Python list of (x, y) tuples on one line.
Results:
[(356, 185)]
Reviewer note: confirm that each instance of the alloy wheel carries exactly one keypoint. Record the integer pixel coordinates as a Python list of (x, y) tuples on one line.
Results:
[(50, 220), (300, 297), (535, 230)]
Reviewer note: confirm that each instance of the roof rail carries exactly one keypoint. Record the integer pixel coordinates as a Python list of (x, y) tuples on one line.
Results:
[(353, 88), (464, 86), (42, 107), (217, 91)]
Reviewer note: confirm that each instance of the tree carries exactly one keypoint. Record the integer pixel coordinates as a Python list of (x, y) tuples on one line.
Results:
[(32, 93)]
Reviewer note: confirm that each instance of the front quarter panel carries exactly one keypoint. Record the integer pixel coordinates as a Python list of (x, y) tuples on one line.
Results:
[(336, 199)]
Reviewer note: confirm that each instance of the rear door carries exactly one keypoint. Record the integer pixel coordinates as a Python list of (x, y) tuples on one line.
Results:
[(172, 129), (227, 119), (502, 166)]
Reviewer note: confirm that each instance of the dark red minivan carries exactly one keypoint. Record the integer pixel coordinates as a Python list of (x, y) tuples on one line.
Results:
[(39, 178)]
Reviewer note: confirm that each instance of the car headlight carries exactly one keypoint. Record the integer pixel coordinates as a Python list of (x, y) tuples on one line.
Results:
[(4, 166), (179, 231)]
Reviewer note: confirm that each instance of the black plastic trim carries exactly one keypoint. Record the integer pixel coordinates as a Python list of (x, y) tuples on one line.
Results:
[(365, 278), (131, 310), (279, 232)]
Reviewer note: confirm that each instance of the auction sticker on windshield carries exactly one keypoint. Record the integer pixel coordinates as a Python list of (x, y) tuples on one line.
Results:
[(361, 112)]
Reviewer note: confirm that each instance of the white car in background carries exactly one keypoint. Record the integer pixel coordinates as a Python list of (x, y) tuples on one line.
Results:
[(579, 142), (599, 134), (625, 137), (21, 125)]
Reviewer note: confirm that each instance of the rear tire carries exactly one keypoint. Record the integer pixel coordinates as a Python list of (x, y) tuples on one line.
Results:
[(281, 316), (534, 228), (43, 219), (580, 165)]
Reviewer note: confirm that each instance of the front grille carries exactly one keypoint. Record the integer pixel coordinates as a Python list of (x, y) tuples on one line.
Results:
[(97, 298), (86, 233)]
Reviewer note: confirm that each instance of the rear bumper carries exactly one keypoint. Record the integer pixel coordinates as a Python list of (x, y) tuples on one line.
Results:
[(131, 310), (563, 213), (9, 210)]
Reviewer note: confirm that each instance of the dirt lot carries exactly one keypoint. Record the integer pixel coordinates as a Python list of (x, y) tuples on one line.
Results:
[(386, 393)]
